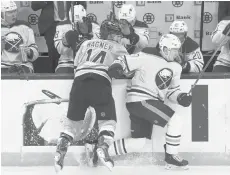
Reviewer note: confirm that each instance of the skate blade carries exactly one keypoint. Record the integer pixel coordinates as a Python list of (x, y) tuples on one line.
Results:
[(174, 167), (89, 153), (101, 156), (57, 167)]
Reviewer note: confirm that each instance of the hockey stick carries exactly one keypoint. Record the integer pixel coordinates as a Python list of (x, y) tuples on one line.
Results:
[(50, 94), (112, 12), (208, 63), (73, 25), (47, 101)]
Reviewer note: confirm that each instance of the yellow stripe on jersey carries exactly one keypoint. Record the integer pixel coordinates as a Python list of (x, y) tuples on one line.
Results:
[(155, 110)]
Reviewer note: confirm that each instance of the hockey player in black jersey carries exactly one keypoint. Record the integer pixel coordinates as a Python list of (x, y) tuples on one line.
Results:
[(190, 53), (68, 38), (136, 33)]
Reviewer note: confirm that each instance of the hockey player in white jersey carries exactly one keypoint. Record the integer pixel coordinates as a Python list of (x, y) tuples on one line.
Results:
[(156, 79), (222, 63), (135, 32), (66, 37), (92, 87), (18, 49), (190, 53)]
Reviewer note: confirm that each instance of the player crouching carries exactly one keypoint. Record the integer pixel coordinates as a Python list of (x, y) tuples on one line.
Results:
[(156, 78)]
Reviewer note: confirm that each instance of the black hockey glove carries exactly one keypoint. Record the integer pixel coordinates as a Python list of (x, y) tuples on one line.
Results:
[(85, 28), (70, 38), (128, 32), (184, 99), (115, 71), (227, 28), (186, 67)]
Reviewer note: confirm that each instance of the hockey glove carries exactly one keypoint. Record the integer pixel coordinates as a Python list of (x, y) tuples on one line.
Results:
[(184, 99), (70, 38), (29, 53), (186, 67), (227, 28), (128, 32), (85, 28), (115, 71)]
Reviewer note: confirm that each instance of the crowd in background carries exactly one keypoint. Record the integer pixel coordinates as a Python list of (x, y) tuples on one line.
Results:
[(19, 49)]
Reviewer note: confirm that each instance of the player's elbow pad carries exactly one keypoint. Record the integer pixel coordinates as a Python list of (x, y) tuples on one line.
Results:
[(116, 71)]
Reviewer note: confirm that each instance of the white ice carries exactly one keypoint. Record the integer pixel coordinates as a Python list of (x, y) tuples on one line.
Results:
[(119, 170)]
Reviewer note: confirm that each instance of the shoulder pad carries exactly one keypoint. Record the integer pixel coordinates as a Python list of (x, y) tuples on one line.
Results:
[(189, 45), (20, 22), (151, 50), (140, 24), (64, 22)]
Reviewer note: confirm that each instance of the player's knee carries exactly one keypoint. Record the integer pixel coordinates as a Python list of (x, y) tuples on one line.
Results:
[(106, 137), (72, 128), (176, 120), (107, 125)]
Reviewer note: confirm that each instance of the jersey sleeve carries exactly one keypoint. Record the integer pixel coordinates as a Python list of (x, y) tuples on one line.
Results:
[(195, 61), (217, 35), (174, 88), (129, 63), (60, 31), (119, 50), (79, 55), (31, 43)]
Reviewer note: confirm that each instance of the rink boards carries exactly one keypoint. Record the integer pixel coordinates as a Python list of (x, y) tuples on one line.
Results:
[(205, 139)]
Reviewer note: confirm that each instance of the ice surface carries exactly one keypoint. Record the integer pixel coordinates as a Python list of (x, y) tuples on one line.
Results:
[(119, 170)]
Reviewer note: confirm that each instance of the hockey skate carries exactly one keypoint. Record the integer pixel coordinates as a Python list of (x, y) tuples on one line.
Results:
[(58, 161), (103, 155), (91, 155), (62, 145), (174, 161)]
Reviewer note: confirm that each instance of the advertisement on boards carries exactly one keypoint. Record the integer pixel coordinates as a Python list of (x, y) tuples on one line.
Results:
[(37, 119)]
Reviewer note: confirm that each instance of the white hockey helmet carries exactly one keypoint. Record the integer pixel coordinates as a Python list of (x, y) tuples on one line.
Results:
[(8, 12), (79, 13), (127, 12), (180, 29), (169, 46)]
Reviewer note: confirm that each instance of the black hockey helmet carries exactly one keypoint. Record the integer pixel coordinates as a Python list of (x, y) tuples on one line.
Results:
[(109, 27)]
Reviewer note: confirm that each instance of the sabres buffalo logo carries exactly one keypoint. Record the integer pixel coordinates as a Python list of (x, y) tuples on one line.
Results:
[(163, 78), (13, 41)]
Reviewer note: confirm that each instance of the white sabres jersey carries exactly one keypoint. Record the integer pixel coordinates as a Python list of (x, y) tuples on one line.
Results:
[(217, 36), (14, 36), (95, 56), (154, 77), (66, 53)]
